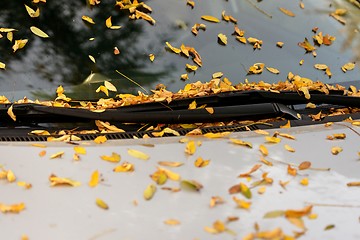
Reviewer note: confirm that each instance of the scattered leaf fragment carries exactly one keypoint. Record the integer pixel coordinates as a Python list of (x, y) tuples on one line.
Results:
[(288, 148), (138, 154), (348, 67), (19, 44), (241, 142), (241, 203), (287, 12), (222, 39), (263, 150), (88, 19), (151, 57), (298, 213), (329, 227), (57, 155), (190, 148), (38, 32), (252, 170), (280, 44), (307, 45), (304, 181), (101, 204), (191, 185), (336, 150), (94, 179), (172, 222), (215, 200), (170, 164), (57, 181), (11, 113), (210, 18), (100, 139), (24, 185), (149, 192), (113, 158), (200, 162), (125, 167), (80, 150), (2, 65), (10, 176), (13, 208), (216, 135), (174, 49), (291, 170)]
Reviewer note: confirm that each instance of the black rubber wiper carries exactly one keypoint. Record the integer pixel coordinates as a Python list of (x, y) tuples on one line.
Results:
[(250, 105)]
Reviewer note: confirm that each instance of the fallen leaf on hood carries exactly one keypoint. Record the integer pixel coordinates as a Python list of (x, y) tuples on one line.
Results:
[(57, 181), (307, 45), (264, 151), (336, 150), (88, 19), (200, 162), (138, 154), (291, 171), (348, 67), (272, 139), (298, 213), (149, 192), (190, 3), (109, 24), (252, 170), (273, 70), (210, 18), (57, 155), (100, 203), (172, 222), (113, 158), (222, 39), (197, 26), (95, 178), (287, 12), (191, 185), (10, 176), (11, 113), (13, 208), (190, 148), (24, 185), (170, 164), (274, 214), (304, 181), (257, 68), (288, 148), (174, 49), (216, 135), (125, 167), (241, 142), (353, 184), (241, 203), (304, 165), (216, 200), (80, 150)]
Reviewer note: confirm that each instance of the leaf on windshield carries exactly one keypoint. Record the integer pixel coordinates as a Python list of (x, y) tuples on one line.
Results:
[(210, 18), (191, 185), (257, 68), (113, 158), (306, 45), (222, 39), (138, 154), (200, 162), (273, 70), (125, 167), (100, 203), (88, 19), (13, 208), (336, 150), (348, 67), (287, 12), (38, 32), (11, 113), (197, 26), (252, 170), (94, 179), (190, 148), (32, 13), (100, 139), (149, 192), (57, 181), (109, 24), (241, 203), (19, 44)]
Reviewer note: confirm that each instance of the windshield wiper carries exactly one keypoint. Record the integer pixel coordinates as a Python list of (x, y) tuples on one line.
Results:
[(228, 106)]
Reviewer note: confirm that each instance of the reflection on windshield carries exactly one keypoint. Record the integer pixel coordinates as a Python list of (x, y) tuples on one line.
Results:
[(63, 59)]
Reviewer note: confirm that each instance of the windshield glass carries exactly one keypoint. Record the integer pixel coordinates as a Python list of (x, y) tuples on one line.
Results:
[(84, 47)]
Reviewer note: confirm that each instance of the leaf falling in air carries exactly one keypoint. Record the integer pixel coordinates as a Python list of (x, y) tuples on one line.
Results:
[(287, 12), (88, 19), (31, 12), (94, 179), (151, 57), (38, 32), (138, 154), (100, 203)]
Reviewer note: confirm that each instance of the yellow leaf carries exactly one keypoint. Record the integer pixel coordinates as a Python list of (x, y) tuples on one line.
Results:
[(170, 174), (159, 177), (113, 158), (32, 13), (6, 30), (190, 148), (170, 164), (108, 22), (144, 16), (57, 181), (10, 176), (262, 190), (24, 185), (184, 77), (253, 169), (57, 155), (19, 44), (172, 222), (241, 142), (306, 45), (272, 139), (210, 110), (11, 113), (257, 68), (88, 19), (304, 181), (291, 171), (242, 203), (38, 32), (285, 135), (280, 44), (125, 167), (110, 86), (263, 150), (2, 65), (191, 68), (287, 12), (215, 201), (273, 70), (100, 139), (149, 192), (222, 39), (191, 185), (138, 154), (298, 213), (210, 18), (79, 150), (290, 149), (216, 135), (100, 203), (287, 125), (94, 180), (353, 184), (175, 50), (151, 57), (199, 162), (92, 59), (262, 132), (348, 66), (321, 66), (14, 208), (336, 150)]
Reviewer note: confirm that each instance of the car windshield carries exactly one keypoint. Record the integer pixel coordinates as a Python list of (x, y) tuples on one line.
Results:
[(77, 45)]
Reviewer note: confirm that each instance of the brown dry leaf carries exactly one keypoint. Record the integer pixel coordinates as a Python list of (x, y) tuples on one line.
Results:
[(222, 39), (170, 164), (190, 148), (336, 150), (288, 148), (100, 139), (57, 155), (210, 18), (32, 13), (287, 12), (94, 179), (304, 165), (191, 185), (100, 203), (172, 222), (113, 158), (149, 192), (138, 154), (257, 68), (283, 184), (298, 213), (200, 162), (13, 208), (125, 167), (273, 70), (11, 113), (241, 203), (88, 19), (264, 151), (252, 170), (57, 181), (307, 45), (216, 200), (348, 67), (291, 171), (241, 142)]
